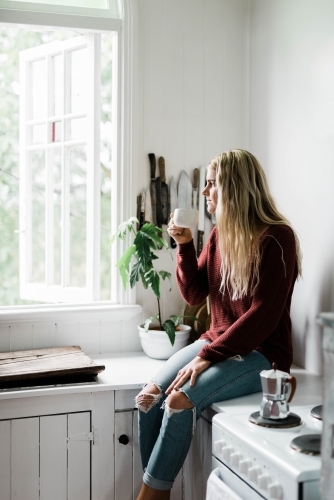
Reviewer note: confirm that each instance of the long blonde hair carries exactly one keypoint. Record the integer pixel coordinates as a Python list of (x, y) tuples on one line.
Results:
[(244, 207)]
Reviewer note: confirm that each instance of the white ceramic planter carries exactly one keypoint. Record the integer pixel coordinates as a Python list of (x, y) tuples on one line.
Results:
[(156, 344)]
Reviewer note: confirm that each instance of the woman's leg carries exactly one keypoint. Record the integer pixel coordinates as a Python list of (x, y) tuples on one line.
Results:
[(225, 380), (150, 400)]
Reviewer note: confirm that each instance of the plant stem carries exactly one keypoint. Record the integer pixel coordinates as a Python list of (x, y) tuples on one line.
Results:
[(161, 327)]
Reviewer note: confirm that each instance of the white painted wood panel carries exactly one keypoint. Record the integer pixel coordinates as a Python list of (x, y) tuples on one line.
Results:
[(44, 334), (214, 85), (234, 73), (53, 457), (78, 457), (172, 57), (123, 456), (152, 133), (103, 448), (194, 76), (4, 460), (4, 338), (125, 400), (24, 459), (137, 470)]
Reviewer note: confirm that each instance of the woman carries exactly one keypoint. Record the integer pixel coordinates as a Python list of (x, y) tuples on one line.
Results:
[(248, 268)]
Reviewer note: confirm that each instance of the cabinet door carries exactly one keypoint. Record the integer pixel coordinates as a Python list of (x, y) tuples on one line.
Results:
[(46, 458), (24, 459), (53, 456), (78, 456), (4, 460), (124, 455)]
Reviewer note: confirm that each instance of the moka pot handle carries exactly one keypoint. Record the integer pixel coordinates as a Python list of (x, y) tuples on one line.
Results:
[(291, 380)]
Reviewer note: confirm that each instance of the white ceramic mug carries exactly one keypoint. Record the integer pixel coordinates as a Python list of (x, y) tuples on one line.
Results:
[(185, 217)]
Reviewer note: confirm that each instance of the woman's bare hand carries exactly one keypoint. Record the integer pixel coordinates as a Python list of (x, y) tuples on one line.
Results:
[(179, 234), (191, 370)]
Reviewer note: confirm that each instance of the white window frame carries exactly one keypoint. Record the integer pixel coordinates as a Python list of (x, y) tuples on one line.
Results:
[(48, 291), (121, 299), (112, 10)]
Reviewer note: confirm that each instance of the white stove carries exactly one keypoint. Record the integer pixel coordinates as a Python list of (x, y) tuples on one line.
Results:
[(258, 462)]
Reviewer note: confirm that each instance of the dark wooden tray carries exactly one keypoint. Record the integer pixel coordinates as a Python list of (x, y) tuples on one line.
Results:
[(46, 363)]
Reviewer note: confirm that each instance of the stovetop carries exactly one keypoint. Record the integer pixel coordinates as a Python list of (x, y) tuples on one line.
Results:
[(268, 447)]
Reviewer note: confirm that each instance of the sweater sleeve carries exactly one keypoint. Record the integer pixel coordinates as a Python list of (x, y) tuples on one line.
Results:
[(270, 298), (191, 273)]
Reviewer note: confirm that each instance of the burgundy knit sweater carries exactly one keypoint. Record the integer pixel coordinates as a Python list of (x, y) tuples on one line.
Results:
[(260, 321)]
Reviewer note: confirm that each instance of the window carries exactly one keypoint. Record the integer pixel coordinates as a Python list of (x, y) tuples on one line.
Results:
[(65, 167), (60, 170)]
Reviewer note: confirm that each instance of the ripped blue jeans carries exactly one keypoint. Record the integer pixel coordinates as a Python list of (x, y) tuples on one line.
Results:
[(165, 434)]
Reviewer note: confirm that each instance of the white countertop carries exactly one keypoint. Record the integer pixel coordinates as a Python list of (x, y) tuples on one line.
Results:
[(132, 370), (308, 392), (125, 370)]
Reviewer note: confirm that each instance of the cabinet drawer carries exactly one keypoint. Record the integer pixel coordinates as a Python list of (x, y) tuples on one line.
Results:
[(125, 400)]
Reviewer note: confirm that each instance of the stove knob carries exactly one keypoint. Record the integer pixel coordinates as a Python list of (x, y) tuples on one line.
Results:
[(263, 481), (218, 446), (275, 491), (244, 465), (254, 472), (235, 459), (227, 451)]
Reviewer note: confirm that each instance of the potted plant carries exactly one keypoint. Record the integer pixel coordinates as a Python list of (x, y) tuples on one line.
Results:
[(163, 339)]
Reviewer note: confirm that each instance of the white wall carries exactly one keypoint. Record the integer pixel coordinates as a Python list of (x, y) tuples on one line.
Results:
[(190, 94), (292, 133)]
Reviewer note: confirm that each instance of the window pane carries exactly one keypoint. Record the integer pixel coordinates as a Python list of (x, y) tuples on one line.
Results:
[(38, 89), (55, 162), (106, 133), (38, 134), (78, 89), (58, 88), (37, 172), (78, 197), (77, 129)]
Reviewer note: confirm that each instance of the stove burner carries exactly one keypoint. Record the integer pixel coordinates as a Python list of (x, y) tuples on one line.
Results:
[(310, 444), (316, 412), (292, 420)]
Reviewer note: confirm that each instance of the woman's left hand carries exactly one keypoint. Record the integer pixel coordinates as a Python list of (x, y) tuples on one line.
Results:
[(191, 370)]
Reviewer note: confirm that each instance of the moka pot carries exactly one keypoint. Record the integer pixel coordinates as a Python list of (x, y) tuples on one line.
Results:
[(278, 389)]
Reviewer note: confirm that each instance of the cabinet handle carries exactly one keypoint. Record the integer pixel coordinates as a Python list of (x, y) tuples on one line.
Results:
[(123, 439)]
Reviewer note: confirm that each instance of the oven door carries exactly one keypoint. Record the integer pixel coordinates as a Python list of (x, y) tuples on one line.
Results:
[(235, 483)]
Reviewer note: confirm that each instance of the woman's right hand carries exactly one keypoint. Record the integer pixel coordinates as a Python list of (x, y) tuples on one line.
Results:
[(179, 234)]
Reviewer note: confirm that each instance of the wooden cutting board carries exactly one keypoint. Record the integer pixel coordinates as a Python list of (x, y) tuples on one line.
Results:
[(46, 363)]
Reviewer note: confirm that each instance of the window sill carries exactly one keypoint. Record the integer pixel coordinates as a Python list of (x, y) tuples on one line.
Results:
[(97, 311)]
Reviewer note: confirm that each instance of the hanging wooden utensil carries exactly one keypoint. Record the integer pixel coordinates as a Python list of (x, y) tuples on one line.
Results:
[(195, 188), (173, 204), (152, 160), (164, 191)]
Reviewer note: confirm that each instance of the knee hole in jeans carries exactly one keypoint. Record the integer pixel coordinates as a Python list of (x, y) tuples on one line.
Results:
[(178, 400), (149, 396)]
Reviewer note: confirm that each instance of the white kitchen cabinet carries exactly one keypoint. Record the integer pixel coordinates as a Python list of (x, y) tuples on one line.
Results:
[(57, 447), (46, 461)]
